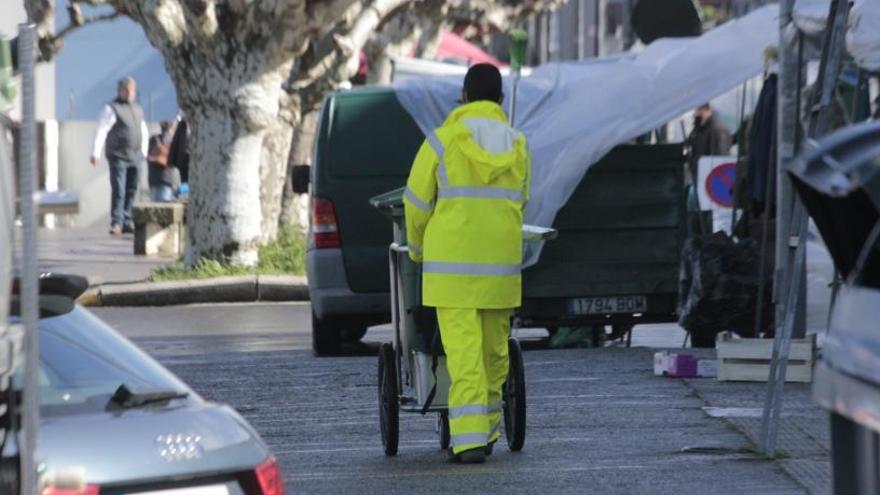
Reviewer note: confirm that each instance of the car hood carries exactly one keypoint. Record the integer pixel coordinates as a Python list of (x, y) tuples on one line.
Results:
[(195, 438)]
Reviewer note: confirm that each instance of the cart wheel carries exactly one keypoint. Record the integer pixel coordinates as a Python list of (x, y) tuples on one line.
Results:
[(443, 430), (389, 412), (515, 399)]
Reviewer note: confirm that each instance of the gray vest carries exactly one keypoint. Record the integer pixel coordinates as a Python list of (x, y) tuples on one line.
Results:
[(124, 139)]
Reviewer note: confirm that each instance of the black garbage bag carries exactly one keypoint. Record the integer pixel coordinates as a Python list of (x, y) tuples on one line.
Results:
[(719, 285)]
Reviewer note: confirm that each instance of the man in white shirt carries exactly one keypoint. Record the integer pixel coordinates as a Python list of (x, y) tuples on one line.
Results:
[(123, 136)]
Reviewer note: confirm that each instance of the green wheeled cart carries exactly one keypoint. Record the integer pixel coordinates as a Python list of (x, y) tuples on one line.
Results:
[(412, 368)]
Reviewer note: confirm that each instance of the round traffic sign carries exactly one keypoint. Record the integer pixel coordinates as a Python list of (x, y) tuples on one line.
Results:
[(719, 184)]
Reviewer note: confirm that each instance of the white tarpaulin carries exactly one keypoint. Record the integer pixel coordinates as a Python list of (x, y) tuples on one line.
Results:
[(863, 31), (811, 16), (863, 37), (575, 113)]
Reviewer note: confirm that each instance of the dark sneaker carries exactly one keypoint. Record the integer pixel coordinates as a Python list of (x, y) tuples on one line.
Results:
[(128, 229), (490, 448), (115, 230), (472, 456)]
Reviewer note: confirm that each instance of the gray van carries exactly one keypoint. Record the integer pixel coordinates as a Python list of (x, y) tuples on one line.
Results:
[(615, 263), (364, 146)]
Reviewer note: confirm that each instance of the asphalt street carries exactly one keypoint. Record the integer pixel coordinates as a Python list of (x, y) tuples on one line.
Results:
[(599, 421)]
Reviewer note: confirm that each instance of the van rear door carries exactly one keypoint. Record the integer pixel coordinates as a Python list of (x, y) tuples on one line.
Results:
[(366, 145), (620, 239)]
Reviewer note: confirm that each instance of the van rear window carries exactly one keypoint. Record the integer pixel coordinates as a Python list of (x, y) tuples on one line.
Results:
[(369, 134)]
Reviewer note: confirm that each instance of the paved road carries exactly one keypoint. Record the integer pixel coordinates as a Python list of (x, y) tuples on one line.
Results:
[(599, 421)]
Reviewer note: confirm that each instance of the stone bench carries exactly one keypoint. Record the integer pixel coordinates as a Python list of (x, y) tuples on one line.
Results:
[(159, 229), (61, 204), (57, 202)]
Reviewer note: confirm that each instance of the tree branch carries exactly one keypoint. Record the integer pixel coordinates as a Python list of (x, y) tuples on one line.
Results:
[(41, 13), (73, 25), (328, 71), (163, 21), (320, 12)]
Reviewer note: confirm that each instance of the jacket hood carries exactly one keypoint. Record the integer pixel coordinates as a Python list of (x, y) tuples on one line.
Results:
[(492, 146)]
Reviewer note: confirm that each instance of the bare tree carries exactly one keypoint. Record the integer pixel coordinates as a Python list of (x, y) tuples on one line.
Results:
[(228, 60)]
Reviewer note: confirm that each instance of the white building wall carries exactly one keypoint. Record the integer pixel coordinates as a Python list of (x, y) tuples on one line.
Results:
[(12, 13), (75, 173)]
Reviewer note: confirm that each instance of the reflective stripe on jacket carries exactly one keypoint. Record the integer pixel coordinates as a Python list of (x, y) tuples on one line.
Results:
[(464, 204)]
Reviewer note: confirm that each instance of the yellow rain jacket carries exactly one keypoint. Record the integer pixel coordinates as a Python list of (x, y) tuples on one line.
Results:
[(464, 204)]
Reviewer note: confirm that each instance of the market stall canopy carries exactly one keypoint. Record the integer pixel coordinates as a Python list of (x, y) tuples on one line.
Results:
[(575, 113), (811, 16), (455, 48), (862, 35)]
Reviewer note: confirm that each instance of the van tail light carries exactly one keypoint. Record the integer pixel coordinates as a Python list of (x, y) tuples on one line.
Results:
[(53, 489), (324, 231), (269, 478)]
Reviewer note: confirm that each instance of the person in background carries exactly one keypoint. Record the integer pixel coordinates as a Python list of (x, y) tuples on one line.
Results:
[(123, 136), (709, 138), (164, 177), (178, 155)]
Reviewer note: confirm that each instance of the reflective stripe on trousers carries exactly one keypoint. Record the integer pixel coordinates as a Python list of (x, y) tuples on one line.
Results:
[(469, 409), (469, 440)]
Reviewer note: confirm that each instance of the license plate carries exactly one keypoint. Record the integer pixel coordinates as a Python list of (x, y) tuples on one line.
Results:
[(607, 305)]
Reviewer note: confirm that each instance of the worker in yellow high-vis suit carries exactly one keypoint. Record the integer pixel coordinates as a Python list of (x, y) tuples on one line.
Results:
[(464, 204)]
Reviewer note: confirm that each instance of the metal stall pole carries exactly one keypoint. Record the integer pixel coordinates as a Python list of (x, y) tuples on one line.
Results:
[(519, 40), (829, 69), (790, 75), (739, 153), (29, 291)]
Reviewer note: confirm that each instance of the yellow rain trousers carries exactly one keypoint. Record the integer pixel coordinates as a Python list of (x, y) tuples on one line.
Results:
[(475, 341), (464, 205)]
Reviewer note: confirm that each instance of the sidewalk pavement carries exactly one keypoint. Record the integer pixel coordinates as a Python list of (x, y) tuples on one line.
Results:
[(118, 277), (804, 438), (96, 255)]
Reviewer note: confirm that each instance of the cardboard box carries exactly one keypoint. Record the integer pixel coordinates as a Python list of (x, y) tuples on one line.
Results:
[(682, 366), (707, 368), (677, 365), (661, 363)]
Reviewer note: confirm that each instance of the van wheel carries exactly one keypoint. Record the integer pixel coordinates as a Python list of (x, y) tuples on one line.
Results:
[(325, 338)]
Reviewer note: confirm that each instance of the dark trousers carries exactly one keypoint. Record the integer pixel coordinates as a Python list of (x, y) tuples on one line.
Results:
[(123, 187)]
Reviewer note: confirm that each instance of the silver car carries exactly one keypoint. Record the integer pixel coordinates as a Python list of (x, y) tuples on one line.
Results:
[(116, 422)]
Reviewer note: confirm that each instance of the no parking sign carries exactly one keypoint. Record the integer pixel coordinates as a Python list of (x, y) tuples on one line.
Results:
[(715, 183)]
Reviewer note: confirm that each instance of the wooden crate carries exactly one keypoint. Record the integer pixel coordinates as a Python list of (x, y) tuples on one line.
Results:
[(748, 360)]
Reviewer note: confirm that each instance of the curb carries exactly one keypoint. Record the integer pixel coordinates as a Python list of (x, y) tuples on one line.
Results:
[(245, 288)]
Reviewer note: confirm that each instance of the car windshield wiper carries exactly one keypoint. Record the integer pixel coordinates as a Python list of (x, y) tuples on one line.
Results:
[(127, 397)]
